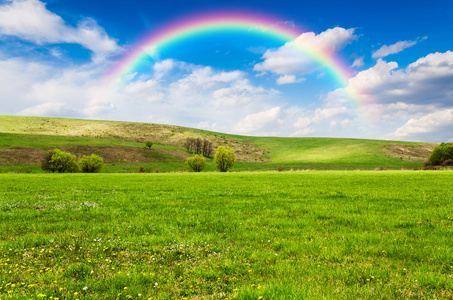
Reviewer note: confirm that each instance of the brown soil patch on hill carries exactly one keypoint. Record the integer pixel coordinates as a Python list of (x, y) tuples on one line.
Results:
[(414, 152), (21, 156), (110, 154)]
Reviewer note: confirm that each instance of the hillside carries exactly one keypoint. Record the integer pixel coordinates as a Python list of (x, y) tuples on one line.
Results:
[(24, 140)]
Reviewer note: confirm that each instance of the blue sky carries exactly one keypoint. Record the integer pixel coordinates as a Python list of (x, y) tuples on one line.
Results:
[(54, 54)]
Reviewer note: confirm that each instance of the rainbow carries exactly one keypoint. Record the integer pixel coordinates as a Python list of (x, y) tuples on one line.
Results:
[(223, 21)]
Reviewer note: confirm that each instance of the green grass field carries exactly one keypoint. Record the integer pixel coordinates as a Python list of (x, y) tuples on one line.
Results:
[(260, 235), (24, 140)]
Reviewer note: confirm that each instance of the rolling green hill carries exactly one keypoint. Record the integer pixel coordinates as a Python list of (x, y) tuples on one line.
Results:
[(24, 140)]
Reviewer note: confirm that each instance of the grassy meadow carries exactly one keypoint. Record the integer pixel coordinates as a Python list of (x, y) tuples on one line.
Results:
[(248, 235), (24, 141)]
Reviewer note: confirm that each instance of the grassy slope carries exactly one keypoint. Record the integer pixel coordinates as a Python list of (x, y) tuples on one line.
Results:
[(254, 152), (334, 152), (291, 235)]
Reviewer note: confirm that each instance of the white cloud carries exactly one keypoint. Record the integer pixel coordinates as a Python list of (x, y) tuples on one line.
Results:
[(286, 79), (190, 95), (428, 80), (410, 98), (258, 121), (51, 109), (304, 132), (321, 115), (97, 107), (291, 60), (386, 50), (358, 62), (30, 88), (31, 21), (435, 126)]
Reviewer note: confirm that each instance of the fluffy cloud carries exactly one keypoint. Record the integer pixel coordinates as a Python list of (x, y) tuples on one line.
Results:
[(41, 89), (286, 79), (290, 60), (259, 121), (386, 50), (434, 126), (410, 99), (395, 112), (334, 116), (96, 108), (51, 109), (30, 20), (429, 79), (358, 62), (191, 95)]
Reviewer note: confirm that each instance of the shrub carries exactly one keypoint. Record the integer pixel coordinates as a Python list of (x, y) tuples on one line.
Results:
[(45, 163), (448, 163), (144, 170), (149, 144), (441, 153), (196, 163), (281, 168), (59, 161), (91, 164), (224, 158)]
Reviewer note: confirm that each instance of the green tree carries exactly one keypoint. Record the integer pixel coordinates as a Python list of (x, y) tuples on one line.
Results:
[(441, 153), (224, 158), (196, 163), (149, 144), (59, 161), (91, 164)]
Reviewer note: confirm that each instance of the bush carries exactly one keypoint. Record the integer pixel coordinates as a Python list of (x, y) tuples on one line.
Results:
[(59, 161), (196, 163), (144, 170), (441, 153), (281, 168), (149, 144), (448, 163), (45, 163), (91, 164), (224, 158)]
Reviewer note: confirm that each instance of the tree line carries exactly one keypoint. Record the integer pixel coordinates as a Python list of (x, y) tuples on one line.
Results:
[(199, 146)]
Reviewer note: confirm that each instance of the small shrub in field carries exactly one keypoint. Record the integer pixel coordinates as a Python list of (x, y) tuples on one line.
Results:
[(59, 161), (149, 144), (144, 170), (224, 158), (441, 153), (448, 163), (91, 164), (196, 163), (281, 168), (45, 163)]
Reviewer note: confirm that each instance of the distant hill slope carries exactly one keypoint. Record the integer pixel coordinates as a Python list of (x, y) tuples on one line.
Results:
[(23, 141)]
